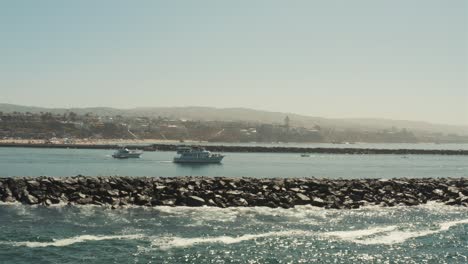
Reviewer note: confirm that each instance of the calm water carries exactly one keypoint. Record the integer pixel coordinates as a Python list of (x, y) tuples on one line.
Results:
[(70, 162), (430, 233)]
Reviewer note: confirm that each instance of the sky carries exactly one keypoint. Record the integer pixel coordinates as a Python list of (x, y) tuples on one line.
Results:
[(399, 59)]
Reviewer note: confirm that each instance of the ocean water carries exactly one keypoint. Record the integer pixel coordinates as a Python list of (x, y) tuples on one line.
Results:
[(70, 162), (431, 233)]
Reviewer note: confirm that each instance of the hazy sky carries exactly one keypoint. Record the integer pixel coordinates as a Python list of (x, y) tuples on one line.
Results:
[(400, 59)]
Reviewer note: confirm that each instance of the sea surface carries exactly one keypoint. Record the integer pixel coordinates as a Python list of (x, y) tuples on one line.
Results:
[(71, 162), (431, 233)]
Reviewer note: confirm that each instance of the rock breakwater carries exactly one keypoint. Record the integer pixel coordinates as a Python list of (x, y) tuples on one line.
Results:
[(229, 192), (254, 149), (359, 151)]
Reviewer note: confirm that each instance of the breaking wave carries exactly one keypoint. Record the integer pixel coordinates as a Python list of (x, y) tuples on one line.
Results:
[(392, 235), (384, 235), (174, 242), (70, 241)]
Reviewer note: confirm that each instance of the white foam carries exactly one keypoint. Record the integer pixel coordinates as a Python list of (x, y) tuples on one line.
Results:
[(10, 203), (305, 214), (70, 241), (447, 225), (357, 234), (385, 235), (176, 242), (395, 237), (400, 236)]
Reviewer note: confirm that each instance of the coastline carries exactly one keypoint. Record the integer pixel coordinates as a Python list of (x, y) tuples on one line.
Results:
[(95, 141), (223, 192), (172, 146)]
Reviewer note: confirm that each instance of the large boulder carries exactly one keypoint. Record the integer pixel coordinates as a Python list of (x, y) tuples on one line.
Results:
[(318, 202), (302, 199), (195, 201), (29, 199), (142, 199)]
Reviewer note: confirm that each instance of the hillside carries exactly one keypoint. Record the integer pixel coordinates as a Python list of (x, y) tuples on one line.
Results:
[(250, 115)]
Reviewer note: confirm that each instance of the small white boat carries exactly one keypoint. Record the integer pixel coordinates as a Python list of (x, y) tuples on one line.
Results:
[(196, 155), (125, 153)]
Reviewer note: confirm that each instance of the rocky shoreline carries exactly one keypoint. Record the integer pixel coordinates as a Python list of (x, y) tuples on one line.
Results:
[(254, 149), (118, 191)]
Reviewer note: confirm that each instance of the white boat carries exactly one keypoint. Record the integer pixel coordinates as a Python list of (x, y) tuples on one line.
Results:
[(125, 153), (196, 155)]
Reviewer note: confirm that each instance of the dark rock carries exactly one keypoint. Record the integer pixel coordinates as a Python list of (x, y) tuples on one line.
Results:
[(453, 202), (142, 199), (387, 188), (33, 184), (302, 199), (168, 202), (453, 190), (76, 196), (235, 193), (297, 190), (63, 198), (411, 202), (112, 193), (83, 201), (317, 202), (7, 195), (462, 200), (53, 199), (438, 192), (241, 202), (224, 192), (271, 204), (95, 202), (195, 201), (30, 199), (47, 202), (211, 202)]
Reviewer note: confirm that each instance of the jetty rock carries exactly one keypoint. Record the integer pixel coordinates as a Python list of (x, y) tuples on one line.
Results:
[(232, 192)]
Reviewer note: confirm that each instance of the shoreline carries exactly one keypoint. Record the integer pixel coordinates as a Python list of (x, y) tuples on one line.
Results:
[(247, 149), (224, 192)]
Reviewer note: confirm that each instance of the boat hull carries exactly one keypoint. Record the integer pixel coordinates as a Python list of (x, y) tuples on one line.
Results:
[(207, 160), (126, 156)]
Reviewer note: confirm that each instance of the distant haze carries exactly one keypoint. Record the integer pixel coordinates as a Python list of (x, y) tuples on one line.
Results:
[(403, 60), (250, 115)]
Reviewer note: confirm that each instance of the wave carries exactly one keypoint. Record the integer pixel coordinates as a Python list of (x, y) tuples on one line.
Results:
[(384, 235), (305, 214), (70, 241), (357, 234), (399, 236), (447, 225), (165, 243)]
